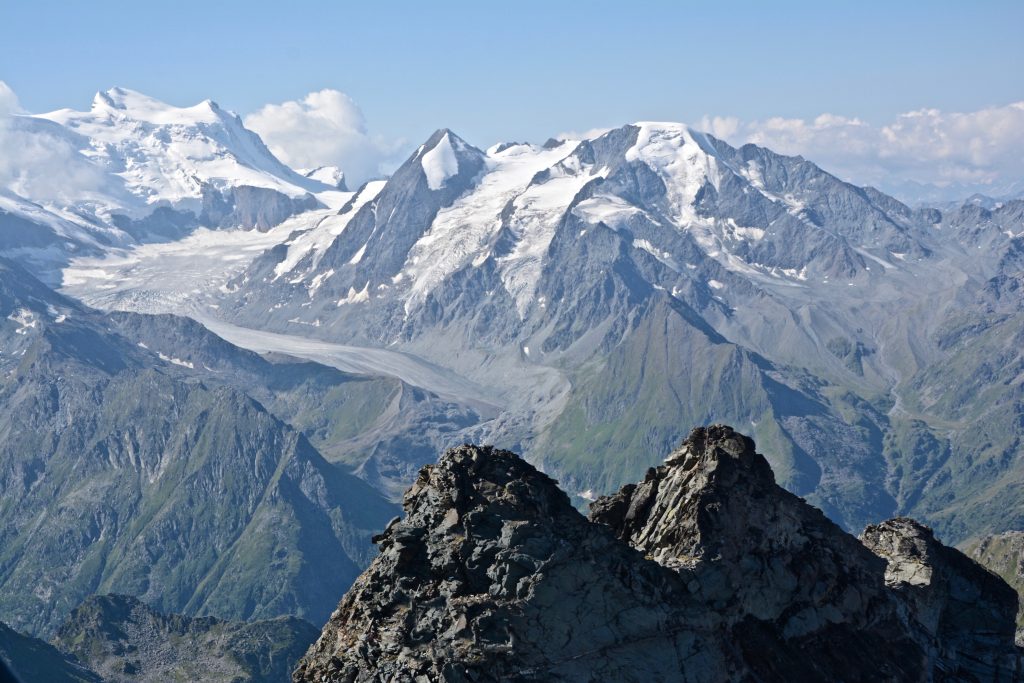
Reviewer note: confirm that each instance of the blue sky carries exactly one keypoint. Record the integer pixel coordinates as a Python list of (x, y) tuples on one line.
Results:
[(524, 70)]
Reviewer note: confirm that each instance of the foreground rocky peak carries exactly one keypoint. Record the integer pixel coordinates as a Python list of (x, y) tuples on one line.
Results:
[(677, 514), (714, 511), (958, 608), (493, 575)]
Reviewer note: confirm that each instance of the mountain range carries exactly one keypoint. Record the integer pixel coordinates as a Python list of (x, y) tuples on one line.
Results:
[(219, 373), (603, 295)]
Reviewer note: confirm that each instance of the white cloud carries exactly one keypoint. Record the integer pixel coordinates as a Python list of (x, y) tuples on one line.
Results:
[(590, 134), (951, 154), (324, 128), (38, 161), (8, 101)]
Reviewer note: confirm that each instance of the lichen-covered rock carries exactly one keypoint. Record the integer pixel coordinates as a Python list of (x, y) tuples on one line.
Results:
[(705, 571), (493, 575)]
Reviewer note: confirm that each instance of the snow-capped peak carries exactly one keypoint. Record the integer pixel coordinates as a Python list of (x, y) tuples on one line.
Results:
[(166, 155), (681, 156), (138, 107)]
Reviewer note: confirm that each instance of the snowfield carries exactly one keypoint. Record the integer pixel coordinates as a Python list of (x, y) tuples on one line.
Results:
[(171, 277)]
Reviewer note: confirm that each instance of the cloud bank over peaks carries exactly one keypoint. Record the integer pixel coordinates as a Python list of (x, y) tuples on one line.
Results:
[(324, 128), (38, 161), (922, 156)]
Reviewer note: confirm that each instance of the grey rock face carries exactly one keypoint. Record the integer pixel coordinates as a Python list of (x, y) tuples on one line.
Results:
[(124, 641), (705, 571), (493, 575), (783, 579), (964, 614), (17, 232), (386, 228), (1003, 554), (164, 224), (251, 207)]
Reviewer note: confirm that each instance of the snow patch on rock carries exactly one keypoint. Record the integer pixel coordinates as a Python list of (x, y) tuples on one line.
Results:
[(440, 163)]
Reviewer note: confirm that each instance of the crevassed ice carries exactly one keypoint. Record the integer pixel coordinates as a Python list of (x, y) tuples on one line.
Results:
[(538, 212), (461, 232), (323, 233)]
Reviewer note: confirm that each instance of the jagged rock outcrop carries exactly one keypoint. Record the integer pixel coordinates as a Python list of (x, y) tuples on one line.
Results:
[(705, 571), (1004, 554), (963, 614), (799, 597), (124, 641), (493, 575)]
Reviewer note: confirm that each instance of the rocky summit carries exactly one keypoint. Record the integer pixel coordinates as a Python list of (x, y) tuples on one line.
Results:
[(705, 571)]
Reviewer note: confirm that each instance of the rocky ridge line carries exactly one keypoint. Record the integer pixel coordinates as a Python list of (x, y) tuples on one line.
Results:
[(705, 571)]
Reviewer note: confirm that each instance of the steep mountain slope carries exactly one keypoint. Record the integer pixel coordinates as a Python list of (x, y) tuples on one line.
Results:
[(373, 423), (124, 641), (24, 659), (1003, 554), (493, 575), (128, 472)]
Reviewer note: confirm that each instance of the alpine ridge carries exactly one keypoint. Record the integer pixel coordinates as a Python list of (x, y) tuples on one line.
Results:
[(705, 571)]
